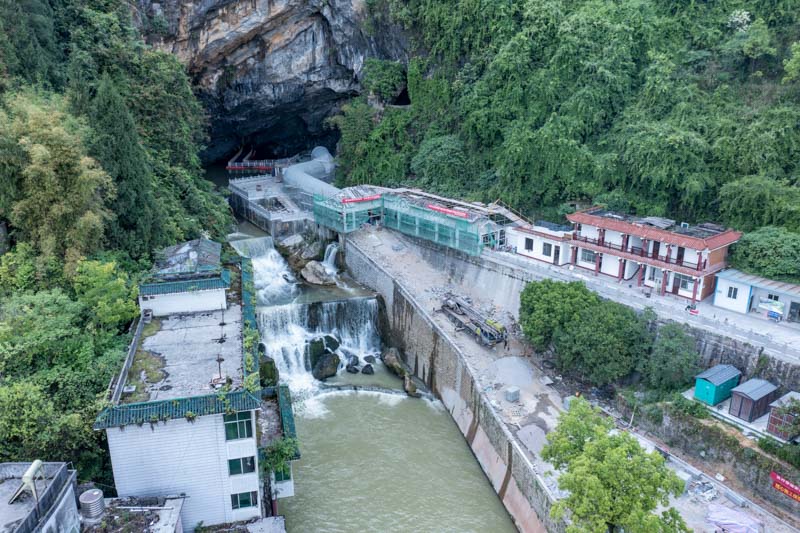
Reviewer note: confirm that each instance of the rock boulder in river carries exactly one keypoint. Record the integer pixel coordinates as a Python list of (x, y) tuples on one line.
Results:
[(269, 72), (326, 366), (368, 370), (410, 387), (314, 272), (369, 359), (351, 369), (391, 358)]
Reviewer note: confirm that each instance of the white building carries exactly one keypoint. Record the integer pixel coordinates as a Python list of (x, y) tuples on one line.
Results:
[(745, 293), (183, 421), (543, 241), (187, 278)]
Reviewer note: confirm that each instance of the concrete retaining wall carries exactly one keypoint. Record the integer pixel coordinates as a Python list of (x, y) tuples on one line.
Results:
[(435, 359)]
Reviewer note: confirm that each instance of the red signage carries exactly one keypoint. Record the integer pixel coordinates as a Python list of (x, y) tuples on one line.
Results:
[(362, 199), (446, 211), (785, 486)]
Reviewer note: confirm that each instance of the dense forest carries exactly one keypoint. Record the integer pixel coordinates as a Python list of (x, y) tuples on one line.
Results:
[(99, 141), (679, 108)]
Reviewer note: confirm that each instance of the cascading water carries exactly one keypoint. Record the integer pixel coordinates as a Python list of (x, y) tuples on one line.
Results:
[(274, 280), (403, 462), (329, 262)]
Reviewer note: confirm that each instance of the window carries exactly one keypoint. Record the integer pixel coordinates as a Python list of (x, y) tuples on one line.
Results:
[(686, 282), (238, 426), (651, 274), (773, 297), (528, 244), (587, 255), (244, 499), (283, 476), (547, 249), (733, 292), (243, 465)]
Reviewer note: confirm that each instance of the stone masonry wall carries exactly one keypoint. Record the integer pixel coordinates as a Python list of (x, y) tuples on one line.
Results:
[(434, 358)]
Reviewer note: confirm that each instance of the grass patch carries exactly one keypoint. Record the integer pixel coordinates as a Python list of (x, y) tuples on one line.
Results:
[(147, 367)]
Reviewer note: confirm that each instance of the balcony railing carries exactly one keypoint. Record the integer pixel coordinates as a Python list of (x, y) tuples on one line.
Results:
[(640, 252)]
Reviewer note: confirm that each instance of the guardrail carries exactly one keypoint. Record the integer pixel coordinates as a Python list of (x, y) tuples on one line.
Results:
[(116, 391)]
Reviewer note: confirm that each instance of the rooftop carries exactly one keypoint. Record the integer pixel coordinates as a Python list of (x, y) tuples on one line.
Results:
[(698, 237), (189, 258), (21, 515), (145, 515), (737, 276), (755, 389), (719, 374), (182, 355), (786, 398)]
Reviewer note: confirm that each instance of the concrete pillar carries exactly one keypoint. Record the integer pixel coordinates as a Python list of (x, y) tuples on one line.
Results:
[(668, 253), (664, 282), (621, 272), (574, 259), (625, 239), (694, 289), (601, 238), (640, 280), (645, 246), (597, 259)]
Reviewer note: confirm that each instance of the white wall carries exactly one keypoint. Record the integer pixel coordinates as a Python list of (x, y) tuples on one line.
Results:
[(589, 231), (182, 457), (610, 264), (517, 238), (721, 295), (184, 302)]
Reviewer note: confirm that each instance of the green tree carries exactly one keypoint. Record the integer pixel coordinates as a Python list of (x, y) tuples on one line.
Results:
[(673, 361), (791, 65), (383, 78), (602, 343), (115, 144), (61, 194), (107, 292), (755, 201), (770, 252), (613, 482), (441, 162), (547, 305)]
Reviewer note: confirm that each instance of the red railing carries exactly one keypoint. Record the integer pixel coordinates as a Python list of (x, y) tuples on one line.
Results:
[(639, 252)]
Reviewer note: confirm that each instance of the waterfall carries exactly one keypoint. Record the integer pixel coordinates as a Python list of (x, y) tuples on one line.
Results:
[(329, 262), (274, 280)]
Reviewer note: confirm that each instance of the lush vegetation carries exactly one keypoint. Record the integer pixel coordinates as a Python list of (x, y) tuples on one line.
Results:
[(674, 108), (613, 483), (601, 341), (99, 141)]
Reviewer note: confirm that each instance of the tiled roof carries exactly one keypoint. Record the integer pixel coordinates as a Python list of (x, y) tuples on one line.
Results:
[(189, 285), (755, 389), (652, 233), (737, 276), (719, 374), (209, 404)]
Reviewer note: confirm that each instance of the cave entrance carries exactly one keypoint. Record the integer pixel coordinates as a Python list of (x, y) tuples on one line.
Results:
[(402, 98)]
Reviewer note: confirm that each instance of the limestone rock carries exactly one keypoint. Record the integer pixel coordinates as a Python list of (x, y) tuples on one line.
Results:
[(270, 71), (368, 370), (316, 274), (353, 360), (369, 359), (410, 387), (351, 369), (391, 358), (326, 367)]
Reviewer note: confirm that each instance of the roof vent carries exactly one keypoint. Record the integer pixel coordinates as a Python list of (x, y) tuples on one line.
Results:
[(684, 224), (92, 504)]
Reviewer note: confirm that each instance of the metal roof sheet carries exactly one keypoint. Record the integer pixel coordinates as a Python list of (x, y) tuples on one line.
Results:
[(719, 374), (199, 255), (209, 404), (755, 388), (737, 276), (791, 395), (222, 281)]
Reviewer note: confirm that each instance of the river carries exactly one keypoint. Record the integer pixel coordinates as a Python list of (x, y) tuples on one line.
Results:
[(371, 461)]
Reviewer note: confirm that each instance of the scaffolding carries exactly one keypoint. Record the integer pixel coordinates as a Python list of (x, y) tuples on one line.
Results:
[(453, 230)]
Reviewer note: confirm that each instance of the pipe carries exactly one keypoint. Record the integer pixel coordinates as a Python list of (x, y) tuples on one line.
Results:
[(306, 176)]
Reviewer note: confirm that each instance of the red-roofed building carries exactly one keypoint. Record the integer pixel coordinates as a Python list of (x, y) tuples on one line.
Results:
[(655, 252)]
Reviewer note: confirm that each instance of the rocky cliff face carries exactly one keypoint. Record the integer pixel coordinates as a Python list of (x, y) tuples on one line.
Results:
[(270, 71)]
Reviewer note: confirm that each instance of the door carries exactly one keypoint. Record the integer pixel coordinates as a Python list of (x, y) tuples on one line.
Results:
[(656, 247), (679, 257), (556, 255), (794, 312)]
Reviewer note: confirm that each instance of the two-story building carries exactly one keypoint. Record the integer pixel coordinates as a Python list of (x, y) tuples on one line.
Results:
[(188, 414), (679, 259)]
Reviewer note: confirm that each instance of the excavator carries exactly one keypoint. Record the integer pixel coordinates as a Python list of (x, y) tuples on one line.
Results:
[(486, 330)]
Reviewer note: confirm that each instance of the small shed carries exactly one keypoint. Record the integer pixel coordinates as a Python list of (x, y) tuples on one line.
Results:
[(751, 399), (715, 384), (778, 421)]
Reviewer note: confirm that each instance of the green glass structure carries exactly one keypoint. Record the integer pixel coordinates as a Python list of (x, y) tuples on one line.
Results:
[(397, 213)]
